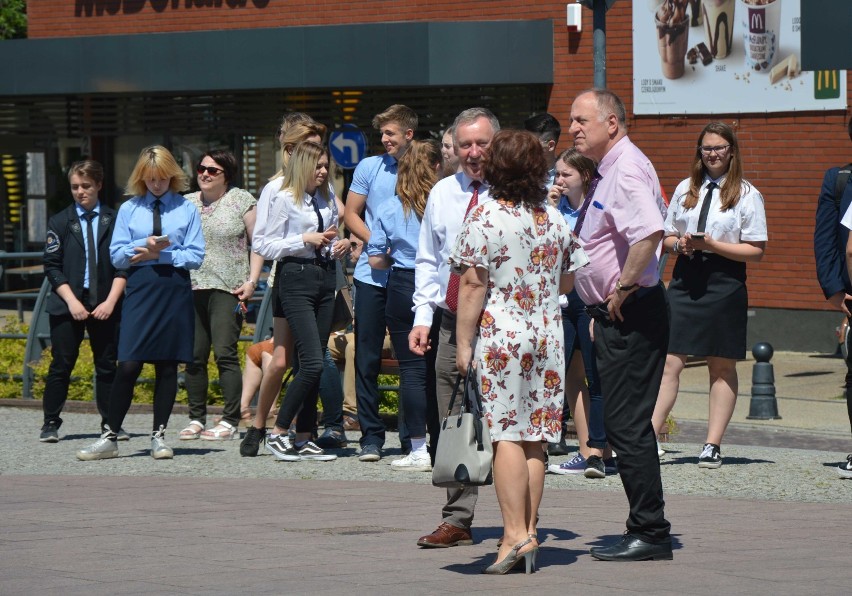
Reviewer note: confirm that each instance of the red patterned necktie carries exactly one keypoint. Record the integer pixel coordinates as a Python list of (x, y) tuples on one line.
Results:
[(455, 280)]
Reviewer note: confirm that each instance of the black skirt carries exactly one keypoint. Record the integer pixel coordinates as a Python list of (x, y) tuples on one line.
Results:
[(157, 319), (709, 307)]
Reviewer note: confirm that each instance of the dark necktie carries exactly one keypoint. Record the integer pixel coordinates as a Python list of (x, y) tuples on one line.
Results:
[(92, 258), (455, 280), (705, 208), (593, 185), (158, 225), (320, 225)]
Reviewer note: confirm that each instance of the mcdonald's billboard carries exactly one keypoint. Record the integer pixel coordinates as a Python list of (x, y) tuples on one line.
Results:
[(734, 56)]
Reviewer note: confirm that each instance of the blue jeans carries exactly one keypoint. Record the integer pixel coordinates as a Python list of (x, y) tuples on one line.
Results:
[(412, 368), (575, 324)]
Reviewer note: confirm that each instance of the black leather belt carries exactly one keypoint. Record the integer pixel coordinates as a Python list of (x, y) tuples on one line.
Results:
[(325, 264), (403, 269)]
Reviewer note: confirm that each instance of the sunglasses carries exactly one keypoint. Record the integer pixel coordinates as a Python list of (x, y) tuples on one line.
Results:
[(210, 170)]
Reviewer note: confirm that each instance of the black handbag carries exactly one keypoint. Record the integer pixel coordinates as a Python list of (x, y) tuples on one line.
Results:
[(464, 454), (343, 314)]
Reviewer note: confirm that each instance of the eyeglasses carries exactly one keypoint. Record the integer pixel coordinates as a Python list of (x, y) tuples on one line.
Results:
[(211, 171), (719, 150)]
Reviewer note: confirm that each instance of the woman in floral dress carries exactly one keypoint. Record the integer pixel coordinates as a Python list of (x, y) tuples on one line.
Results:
[(516, 254)]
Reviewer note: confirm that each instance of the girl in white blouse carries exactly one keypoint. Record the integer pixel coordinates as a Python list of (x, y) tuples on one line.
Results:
[(297, 227), (715, 224)]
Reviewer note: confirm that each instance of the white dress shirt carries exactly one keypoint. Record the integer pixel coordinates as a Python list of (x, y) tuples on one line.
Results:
[(281, 221), (746, 221), (442, 221)]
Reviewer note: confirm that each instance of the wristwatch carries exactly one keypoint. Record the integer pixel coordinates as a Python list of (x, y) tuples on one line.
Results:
[(623, 288)]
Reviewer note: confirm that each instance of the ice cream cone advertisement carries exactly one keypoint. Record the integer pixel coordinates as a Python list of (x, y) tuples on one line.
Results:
[(725, 57)]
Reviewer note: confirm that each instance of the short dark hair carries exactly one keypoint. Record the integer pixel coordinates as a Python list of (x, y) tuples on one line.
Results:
[(226, 161), (87, 168), (516, 169), (545, 125)]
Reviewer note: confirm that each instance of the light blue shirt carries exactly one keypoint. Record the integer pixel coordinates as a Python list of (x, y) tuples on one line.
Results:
[(570, 214), (392, 230), (84, 225), (375, 178), (180, 220)]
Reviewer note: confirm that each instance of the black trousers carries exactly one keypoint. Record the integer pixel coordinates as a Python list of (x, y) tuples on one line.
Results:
[(631, 356), (66, 336), (306, 293)]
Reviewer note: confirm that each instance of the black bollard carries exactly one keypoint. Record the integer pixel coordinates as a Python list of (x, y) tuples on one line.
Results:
[(763, 404)]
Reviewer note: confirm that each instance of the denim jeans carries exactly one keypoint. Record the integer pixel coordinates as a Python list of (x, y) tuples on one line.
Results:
[(575, 324), (306, 293), (412, 368), (369, 337), (216, 325)]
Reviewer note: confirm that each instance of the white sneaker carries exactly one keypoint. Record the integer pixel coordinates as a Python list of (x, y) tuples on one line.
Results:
[(159, 449), (413, 462), (103, 448)]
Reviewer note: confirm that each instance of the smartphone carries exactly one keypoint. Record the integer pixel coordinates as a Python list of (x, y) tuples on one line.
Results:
[(698, 235), (164, 238)]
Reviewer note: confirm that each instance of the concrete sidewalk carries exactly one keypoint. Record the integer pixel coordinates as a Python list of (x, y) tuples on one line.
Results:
[(130, 535)]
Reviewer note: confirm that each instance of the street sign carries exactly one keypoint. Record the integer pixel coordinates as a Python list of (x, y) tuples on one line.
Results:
[(348, 146)]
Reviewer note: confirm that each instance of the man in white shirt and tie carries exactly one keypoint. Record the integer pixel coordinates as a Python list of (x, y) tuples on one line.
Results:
[(446, 209)]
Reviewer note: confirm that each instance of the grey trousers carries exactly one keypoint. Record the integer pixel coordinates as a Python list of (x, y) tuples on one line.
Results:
[(461, 502)]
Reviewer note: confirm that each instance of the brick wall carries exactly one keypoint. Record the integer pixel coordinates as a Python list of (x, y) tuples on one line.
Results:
[(784, 154)]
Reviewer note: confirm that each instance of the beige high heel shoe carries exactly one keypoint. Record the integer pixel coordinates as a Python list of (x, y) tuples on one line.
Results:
[(512, 559)]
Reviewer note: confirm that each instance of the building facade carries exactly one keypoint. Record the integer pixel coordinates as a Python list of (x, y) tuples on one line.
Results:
[(107, 77)]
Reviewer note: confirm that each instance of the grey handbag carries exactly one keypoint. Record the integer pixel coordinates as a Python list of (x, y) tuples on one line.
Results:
[(464, 453)]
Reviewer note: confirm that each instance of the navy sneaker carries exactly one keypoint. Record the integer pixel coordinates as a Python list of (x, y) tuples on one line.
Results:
[(370, 453), (575, 465), (332, 438), (49, 432)]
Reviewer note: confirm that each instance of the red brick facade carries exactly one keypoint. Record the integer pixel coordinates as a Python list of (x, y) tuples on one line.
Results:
[(784, 154)]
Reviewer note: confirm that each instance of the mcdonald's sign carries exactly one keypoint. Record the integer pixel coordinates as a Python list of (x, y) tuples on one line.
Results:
[(826, 84)]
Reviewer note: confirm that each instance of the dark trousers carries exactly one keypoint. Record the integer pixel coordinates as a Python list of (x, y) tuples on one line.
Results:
[(849, 387), (433, 416), (217, 325), (165, 390), (306, 293), (66, 335), (631, 355), (370, 325), (575, 324), (412, 368)]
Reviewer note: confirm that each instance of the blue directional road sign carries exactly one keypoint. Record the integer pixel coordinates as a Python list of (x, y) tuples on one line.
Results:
[(348, 146)]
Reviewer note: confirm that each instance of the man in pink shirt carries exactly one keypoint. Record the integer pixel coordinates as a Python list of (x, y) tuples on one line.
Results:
[(621, 234)]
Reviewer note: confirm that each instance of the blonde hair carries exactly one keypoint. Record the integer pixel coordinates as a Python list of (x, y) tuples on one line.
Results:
[(295, 134), (156, 161), (302, 168), (416, 175)]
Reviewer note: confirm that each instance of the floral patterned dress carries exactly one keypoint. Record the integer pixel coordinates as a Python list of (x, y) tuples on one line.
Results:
[(518, 348)]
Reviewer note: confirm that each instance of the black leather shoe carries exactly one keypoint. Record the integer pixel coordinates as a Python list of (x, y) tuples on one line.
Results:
[(631, 548)]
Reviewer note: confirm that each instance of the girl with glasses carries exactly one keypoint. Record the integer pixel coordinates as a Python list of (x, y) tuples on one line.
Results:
[(715, 225)]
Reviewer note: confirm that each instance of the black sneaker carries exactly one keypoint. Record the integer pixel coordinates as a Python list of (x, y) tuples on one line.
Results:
[(559, 448), (251, 442), (595, 467), (370, 453), (332, 438), (310, 451), (845, 471), (282, 448), (49, 432), (711, 457)]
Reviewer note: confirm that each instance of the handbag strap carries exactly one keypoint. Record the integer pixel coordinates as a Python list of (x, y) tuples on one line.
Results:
[(472, 403)]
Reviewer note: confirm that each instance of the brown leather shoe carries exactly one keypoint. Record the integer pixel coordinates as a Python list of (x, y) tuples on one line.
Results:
[(445, 536), (350, 422)]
